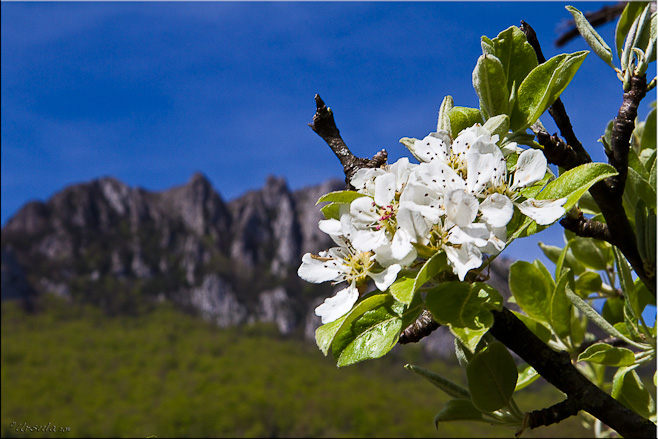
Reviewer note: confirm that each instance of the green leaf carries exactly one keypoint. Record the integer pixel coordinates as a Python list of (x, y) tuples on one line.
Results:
[(373, 333), (405, 288), (443, 383), (588, 282), (648, 139), (627, 388), (553, 253), (325, 334), (464, 308), (561, 307), (497, 125), (591, 253), (331, 210), (340, 197), (531, 290), (638, 188), (602, 353), (458, 410), (543, 85), (490, 84), (444, 121), (492, 376), (462, 118), (628, 16), (597, 319), (402, 289), (527, 376), (518, 57), (613, 310), (592, 38), (432, 267), (573, 183)]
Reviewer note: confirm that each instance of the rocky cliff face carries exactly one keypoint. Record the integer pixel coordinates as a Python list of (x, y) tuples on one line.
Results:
[(124, 248)]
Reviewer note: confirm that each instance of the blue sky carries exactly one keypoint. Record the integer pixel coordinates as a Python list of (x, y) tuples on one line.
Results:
[(152, 92)]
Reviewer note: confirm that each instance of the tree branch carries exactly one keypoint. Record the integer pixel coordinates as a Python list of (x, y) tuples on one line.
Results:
[(587, 228), (325, 127), (421, 328)]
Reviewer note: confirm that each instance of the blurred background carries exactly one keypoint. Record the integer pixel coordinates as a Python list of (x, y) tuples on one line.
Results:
[(158, 184)]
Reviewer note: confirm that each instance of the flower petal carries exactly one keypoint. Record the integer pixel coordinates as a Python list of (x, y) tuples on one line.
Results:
[(385, 278), (337, 306), (497, 210), (530, 168), (384, 189), (463, 259), (542, 211), (461, 207), (319, 269), (433, 146)]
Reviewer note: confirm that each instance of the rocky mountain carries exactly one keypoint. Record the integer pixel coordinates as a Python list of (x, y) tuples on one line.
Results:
[(124, 249)]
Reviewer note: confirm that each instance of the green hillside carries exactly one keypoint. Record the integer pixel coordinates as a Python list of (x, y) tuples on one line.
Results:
[(172, 375)]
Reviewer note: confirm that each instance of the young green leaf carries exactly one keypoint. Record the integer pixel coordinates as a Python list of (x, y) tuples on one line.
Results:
[(561, 307), (592, 38), (490, 84), (462, 118), (373, 333), (631, 12), (444, 120), (518, 57), (602, 353), (527, 376), (492, 377), (340, 197), (627, 388), (543, 85), (531, 290), (498, 125)]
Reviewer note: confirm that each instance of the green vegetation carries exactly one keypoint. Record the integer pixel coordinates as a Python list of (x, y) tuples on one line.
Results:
[(168, 374)]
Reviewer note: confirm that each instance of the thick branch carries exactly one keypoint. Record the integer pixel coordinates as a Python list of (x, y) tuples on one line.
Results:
[(557, 369), (325, 126)]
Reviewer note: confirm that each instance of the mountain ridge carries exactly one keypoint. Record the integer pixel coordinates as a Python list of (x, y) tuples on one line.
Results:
[(125, 248)]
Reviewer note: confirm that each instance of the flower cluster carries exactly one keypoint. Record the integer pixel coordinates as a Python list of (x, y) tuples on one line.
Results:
[(457, 200)]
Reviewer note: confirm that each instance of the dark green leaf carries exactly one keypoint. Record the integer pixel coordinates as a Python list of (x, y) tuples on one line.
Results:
[(458, 410), (492, 376), (443, 383)]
